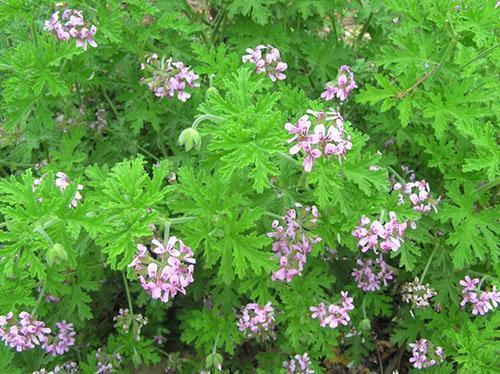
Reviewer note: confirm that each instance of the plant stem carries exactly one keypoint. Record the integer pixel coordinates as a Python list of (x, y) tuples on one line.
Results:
[(485, 52), (205, 117), (488, 185), (365, 26), (39, 300), (334, 28), (273, 215), (428, 263), (214, 348), (166, 233), (399, 177), (43, 234), (128, 293), (113, 107), (287, 157)]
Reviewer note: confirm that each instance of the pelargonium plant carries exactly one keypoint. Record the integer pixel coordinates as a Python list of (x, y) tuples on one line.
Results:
[(124, 123)]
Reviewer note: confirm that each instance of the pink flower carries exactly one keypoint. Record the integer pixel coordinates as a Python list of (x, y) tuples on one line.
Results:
[(169, 273), (328, 137), (335, 314), (168, 78), (369, 276), (345, 84), (62, 181), (387, 236), (298, 364), (266, 59), (420, 350), (468, 283), (293, 244), (72, 25), (257, 321)]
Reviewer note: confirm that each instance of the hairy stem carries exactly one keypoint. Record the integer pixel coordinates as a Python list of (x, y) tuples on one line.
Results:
[(428, 263), (129, 299)]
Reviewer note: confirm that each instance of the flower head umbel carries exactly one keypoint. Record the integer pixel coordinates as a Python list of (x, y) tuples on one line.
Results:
[(257, 321), (419, 195), (267, 60), (328, 137), (377, 236), (62, 182), (167, 272), (370, 274), (417, 294), (59, 344), (333, 315), (167, 78), (22, 333), (72, 25), (107, 363), (129, 322), (293, 242), (424, 355), (482, 301), (343, 87), (299, 364)]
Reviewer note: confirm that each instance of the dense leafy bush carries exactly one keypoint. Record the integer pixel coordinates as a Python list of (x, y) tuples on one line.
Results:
[(261, 185)]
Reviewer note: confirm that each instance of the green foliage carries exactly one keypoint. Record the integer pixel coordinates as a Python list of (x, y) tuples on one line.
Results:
[(215, 171)]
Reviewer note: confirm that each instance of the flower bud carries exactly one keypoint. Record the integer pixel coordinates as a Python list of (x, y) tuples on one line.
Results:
[(365, 325), (214, 360), (211, 91), (190, 138), (56, 255)]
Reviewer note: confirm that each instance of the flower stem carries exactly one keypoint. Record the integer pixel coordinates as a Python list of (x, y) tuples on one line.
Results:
[(399, 177), (428, 263), (128, 293), (273, 215), (206, 117), (39, 300), (41, 231)]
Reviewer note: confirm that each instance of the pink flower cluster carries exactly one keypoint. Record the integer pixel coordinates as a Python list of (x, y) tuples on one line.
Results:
[(419, 194), (298, 364), (60, 344), (328, 137), (375, 235), (292, 243), (23, 334), (168, 78), (417, 294), (345, 84), (370, 275), (335, 314), (106, 363), (168, 271), (72, 25), (62, 182), (482, 301), (257, 321), (26, 333), (421, 349), (266, 59)]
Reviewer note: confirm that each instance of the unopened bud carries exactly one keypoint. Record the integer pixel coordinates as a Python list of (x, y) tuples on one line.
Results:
[(190, 138), (56, 255)]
